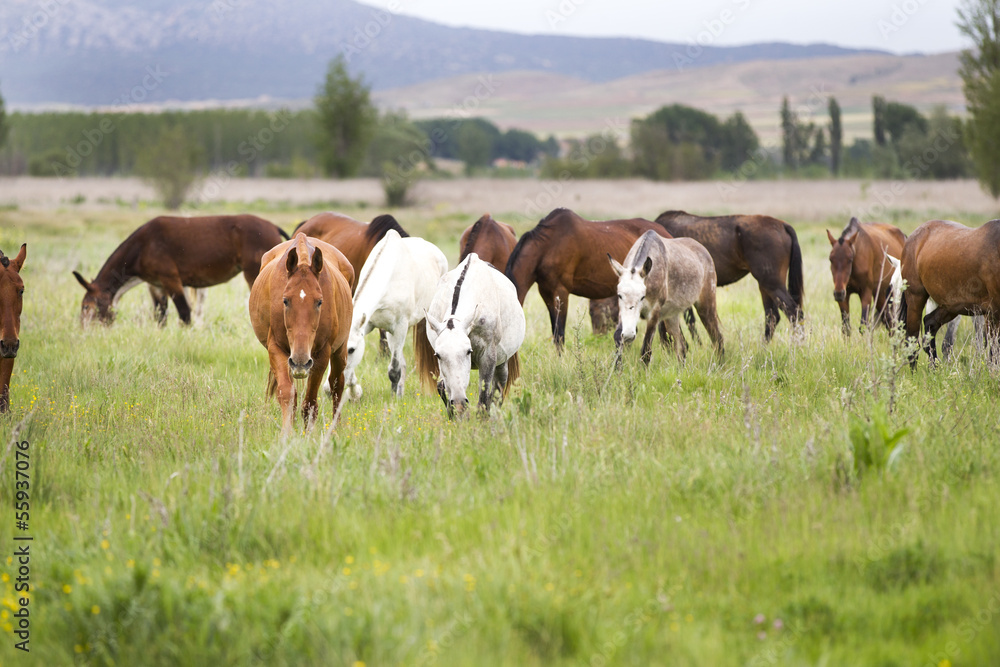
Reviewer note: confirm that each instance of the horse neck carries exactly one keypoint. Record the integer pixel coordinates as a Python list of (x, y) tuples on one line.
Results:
[(522, 271), (119, 270)]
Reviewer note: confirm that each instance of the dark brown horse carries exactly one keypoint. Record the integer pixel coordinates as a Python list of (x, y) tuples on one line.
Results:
[(765, 247), (959, 268), (11, 293), (566, 254), (355, 239), (859, 266), (493, 241), (300, 309), (171, 253)]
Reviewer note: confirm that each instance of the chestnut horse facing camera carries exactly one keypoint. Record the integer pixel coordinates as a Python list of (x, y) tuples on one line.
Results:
[(11, 293), (353, 238), (765, 247), (171, 253), (959, 268), (859, 266), (300, 309), (566, 254)]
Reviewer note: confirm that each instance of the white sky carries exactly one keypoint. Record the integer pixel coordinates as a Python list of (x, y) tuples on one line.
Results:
[(900, 26)]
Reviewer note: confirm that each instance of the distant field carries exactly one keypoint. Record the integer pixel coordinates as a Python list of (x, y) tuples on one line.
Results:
[(695, 514)]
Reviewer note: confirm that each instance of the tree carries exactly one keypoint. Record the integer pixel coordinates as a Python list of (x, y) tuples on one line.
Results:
[(836, 135), (475, 145), (3, 122), (170, 165), (397, 154), (739, 142), (900, 116), (980, 71), (347, 119), (878, 120), (789, 136)]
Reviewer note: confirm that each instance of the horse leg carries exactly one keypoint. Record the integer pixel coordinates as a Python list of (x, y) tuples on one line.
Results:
[(710, 320), (932, 323), (556, 301), (647, 340), (845, 315), (6, 370), (172, 285), (771, 313), (197, 294), (866, 304), (160, 302), (673, 325), (689, 320), (397, 363), (285, 389), (487, 367), (338, 362), (914, 313), (310, 404), (949, 339), (500, 381)]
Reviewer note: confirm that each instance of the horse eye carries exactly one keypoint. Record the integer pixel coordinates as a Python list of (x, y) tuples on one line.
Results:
[(20, 292), (620, 297), (469, 353), (350, 350), (285, 301), (319, 303)]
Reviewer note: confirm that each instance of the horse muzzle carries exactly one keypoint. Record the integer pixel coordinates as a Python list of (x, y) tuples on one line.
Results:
[(840, 296), (8, 349), (300, 371), (459, 407)]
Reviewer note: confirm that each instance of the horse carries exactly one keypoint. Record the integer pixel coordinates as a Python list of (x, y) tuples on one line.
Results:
[(474, 321), (171, 253), (860, 265), (395, 288), (355, 239), (895, 308), (300, 309), (765, 247), (564, 254), (493, 241), (660, 279), (959, 268), (11, 299)]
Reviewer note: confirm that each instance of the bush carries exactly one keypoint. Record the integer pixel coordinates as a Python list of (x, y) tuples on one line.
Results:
[(170, 165)]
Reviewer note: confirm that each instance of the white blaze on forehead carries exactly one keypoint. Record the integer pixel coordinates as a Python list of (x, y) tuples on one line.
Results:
[(302, 294)]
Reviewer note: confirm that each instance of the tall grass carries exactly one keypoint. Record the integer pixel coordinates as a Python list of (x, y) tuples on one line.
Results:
[(696, 513)]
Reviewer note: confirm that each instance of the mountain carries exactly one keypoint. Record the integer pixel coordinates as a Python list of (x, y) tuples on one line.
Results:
[(111, 52)]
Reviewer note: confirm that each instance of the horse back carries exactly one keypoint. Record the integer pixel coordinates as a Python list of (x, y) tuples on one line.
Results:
[(955, 264)]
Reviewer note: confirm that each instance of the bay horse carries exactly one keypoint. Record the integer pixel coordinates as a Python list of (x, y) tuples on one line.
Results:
[(474, 321), (660, 279), (355, 239), (565, 254), (959, 268), (300, 309), (171, 253), (394, 291), (859, 262), (11, 300), (765, 247)]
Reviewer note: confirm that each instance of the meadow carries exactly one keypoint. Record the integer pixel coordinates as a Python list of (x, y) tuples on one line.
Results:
[(742, 513)]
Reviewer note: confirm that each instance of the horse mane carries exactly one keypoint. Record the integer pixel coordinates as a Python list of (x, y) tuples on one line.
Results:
[(427, 364), (382, 224), (853, 224), (284, 234), (643, 251), (296, 227), (540, 232), (470, 241)]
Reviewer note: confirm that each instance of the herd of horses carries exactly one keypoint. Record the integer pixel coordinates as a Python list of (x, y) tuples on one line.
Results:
[(315, 296)]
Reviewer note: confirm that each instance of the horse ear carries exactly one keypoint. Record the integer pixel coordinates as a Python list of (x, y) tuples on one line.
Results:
[(434, 323), (83, 281), (618, 268), (19, 260), (647, 266), (851, 235), (833, 241), (292, 261), (317, 263)]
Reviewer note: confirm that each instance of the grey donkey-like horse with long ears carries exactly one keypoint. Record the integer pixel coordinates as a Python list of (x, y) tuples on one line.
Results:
[(660, 279)]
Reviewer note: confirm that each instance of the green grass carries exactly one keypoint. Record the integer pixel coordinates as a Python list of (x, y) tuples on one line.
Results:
[(704, 514)]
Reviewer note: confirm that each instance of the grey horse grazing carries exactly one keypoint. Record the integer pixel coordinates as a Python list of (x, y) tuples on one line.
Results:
[(660, 279)]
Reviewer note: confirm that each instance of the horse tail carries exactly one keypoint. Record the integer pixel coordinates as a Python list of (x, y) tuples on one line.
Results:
[(796, 285), (272, 384), (427, 365), (284, 234), (513, 373)]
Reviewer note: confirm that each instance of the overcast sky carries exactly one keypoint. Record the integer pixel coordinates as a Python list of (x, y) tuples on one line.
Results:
[(900, 26)]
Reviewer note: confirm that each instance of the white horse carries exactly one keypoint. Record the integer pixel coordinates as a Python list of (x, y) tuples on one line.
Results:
[(396, 285), (474, 321), (660, 279)]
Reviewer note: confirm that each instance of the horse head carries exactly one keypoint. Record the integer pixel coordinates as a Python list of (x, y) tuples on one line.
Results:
[(302, 300), (453, 351), (631, 295), (842, 259), (97, 303), (11, 293)]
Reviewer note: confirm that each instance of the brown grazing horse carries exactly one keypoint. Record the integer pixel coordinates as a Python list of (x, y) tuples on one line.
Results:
[(765, 247), (493, 241), (566, 254), (11, 293), (959, 268), (859, 266), (300, 309), (171, 253), (355, 239)]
